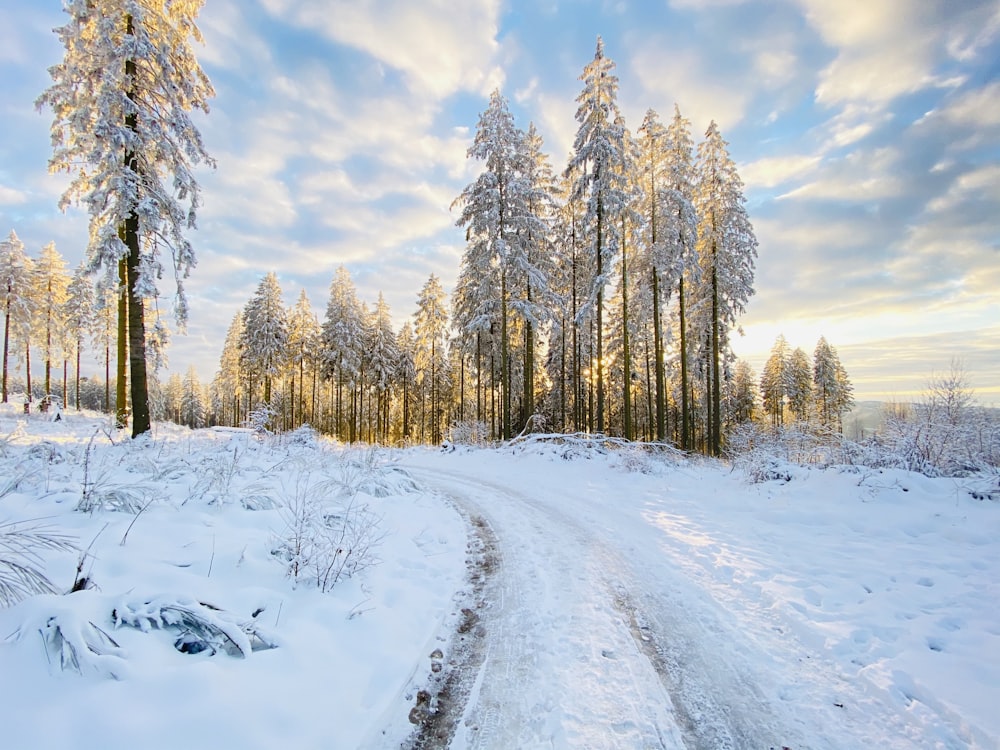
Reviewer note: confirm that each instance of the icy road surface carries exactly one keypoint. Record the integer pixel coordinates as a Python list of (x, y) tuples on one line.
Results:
[(599, 627)]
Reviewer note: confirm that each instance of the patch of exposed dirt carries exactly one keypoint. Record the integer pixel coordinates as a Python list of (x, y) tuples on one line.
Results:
[(440, 704)]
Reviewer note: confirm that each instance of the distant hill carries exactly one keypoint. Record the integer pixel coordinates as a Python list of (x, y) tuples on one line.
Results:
[(866, 418)]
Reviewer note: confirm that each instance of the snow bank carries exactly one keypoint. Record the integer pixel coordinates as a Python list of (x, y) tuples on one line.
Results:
[(165, 647)]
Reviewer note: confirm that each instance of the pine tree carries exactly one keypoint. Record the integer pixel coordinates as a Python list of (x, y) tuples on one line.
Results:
[(303, 346), (598, 163), (383, 362), (406, 374), (533, 263), (17, 298), (264, 344), (121, 100), (503, 268), (50, 283), (432, 356), (743, 406), (650, 174), (229, 382), (104, 330), (799, 385), (727, 250), (774, 381), (676, 251), (831, 386), (192, 402), (342, 334), (78, 314), (173, 395)]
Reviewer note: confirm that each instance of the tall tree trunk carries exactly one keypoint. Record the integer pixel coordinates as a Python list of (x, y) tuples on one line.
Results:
[(27, 370), (528, 398), (600, 314), (479, 376), (650, 424), (461, 386), (121, 395), (136, 312), (658, 363), (6, 343), (715, 433), (685, 386), (627, 364), (107, 377), (504, 358), (79, 346), (562, 375), (48, 350), (434, 394)]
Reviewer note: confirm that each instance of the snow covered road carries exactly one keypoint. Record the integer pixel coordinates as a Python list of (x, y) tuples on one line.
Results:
[(601, 628)]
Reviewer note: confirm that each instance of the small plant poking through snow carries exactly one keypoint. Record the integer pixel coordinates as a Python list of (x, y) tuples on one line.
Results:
[(261, 419), (326, 540), (21, 545)]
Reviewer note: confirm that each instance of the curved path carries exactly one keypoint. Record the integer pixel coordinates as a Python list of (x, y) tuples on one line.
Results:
[(591, 633), (581, 650)]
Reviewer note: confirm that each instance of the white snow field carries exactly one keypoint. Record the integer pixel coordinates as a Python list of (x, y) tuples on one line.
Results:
[(548, 594)]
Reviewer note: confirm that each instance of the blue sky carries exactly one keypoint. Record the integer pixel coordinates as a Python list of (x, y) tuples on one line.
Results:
[(867, 133)]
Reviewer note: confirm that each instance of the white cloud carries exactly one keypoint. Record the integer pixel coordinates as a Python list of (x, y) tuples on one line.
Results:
[(440, 46), (886, 48), (669, 75), (982, 184), (230, 43), (777, 170), (978, 108), (861, 176), (12, 197)]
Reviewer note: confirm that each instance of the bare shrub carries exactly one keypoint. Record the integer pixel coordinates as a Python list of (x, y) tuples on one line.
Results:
[(327, 537)]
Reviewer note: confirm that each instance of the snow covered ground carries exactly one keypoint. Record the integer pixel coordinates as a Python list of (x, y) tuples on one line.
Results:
[(556, 596)]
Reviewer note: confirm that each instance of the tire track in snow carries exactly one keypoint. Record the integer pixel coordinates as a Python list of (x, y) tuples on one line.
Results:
[(561, 667)]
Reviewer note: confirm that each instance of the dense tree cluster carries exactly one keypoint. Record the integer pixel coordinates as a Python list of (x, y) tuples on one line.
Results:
[(350, 374), (602, 299), (792, 387), (55, 316)]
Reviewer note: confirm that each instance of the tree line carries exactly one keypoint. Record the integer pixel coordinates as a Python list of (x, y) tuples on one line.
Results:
[(600, 298)]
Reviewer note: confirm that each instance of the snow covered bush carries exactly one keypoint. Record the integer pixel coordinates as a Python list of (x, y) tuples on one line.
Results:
[(261, 419), (469, 432), (21, 563), (327, 536), (70, 637), (198, 627), (945, 434), (367, 470)]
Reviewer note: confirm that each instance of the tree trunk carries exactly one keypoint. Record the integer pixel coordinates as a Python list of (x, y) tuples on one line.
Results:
[(136, 335), (685, 387), (48, 352), (121, 395), (6, 344), (658, 364), (27, 370), (715, 431), (79, 346), (600, 314), (505, 388), (627, 364)]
